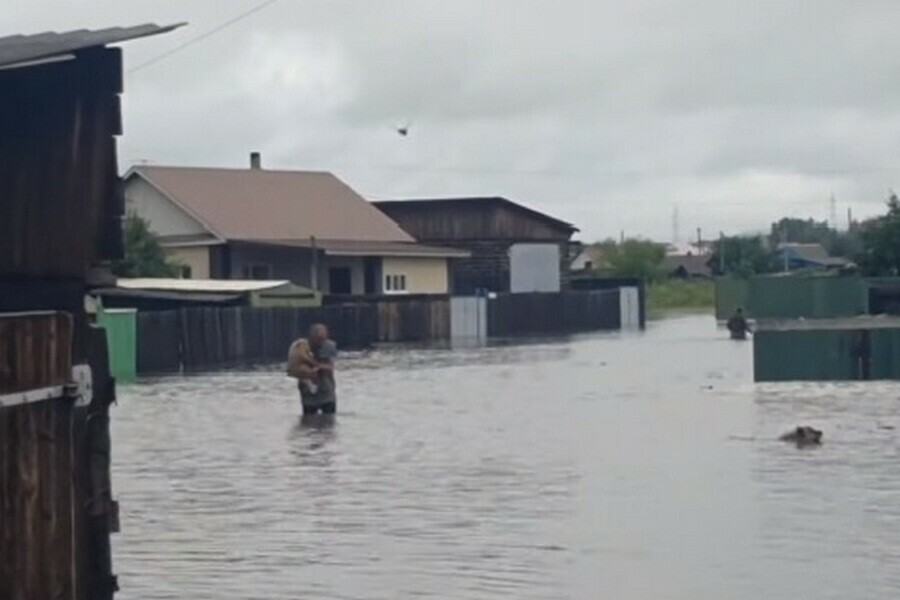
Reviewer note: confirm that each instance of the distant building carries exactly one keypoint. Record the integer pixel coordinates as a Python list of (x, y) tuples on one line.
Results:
[(689, 249), (688, 266), (306, 227), (807, 256), (512, 247), (590, 258)]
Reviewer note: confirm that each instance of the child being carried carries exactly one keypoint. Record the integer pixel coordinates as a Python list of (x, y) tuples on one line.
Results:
[(302, 366)]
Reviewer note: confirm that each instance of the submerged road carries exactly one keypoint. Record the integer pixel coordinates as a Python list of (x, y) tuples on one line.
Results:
[(612, 466)]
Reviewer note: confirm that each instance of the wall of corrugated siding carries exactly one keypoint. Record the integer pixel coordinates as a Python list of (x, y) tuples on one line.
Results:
[(768, 297)]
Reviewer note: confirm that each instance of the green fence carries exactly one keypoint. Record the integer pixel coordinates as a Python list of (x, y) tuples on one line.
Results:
[(825, 355), (790, 297), (828, 350), (731, 293), (121, 336), (885, 361)]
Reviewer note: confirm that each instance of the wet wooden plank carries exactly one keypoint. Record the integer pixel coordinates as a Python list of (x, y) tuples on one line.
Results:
[(35, 350)]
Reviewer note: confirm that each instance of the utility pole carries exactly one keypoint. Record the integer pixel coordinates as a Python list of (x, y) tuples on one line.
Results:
[(721, 253), (832, 213), (784, 250), (849, 218), (675, 225), (314, 264)]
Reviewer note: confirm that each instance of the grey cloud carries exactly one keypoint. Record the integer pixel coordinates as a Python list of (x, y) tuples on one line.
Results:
[(605, 113)]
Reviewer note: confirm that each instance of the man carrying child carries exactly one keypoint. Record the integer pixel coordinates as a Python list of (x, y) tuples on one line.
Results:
[(311, 362)]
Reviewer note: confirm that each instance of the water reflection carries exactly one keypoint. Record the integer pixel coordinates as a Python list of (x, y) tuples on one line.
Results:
[(619, 465)]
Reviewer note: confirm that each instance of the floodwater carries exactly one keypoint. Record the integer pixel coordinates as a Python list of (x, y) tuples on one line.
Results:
[(640, 465)]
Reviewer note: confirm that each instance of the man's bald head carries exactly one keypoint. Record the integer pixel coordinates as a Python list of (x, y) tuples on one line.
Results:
[(318, 333)]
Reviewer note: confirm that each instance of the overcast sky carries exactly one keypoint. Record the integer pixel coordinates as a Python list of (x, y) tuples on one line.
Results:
[(606, 114)]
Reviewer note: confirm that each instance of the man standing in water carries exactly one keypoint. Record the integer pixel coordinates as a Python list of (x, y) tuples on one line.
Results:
[(737, 325), (315, 373)]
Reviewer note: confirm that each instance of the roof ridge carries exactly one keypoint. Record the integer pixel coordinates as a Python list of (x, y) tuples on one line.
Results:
[(235, 169)]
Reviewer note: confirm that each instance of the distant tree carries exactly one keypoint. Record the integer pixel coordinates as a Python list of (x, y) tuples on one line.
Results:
[(144, 257), (809, 231), (801, 231), (636, 258), (743, 256), (880, 241)]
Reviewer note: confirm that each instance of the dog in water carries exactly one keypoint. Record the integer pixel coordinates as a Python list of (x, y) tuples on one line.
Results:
[(803, 436)]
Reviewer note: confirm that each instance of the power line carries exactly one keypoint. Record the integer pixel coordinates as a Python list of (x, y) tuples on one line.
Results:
[(202, 36)]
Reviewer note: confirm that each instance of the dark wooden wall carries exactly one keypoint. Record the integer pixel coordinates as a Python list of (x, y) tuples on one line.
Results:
[(61, 196), (486, 228), (60, 217), (438, 222)]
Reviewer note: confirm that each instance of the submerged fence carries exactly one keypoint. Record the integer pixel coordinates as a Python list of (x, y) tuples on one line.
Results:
[(198, 339), (512, 315)]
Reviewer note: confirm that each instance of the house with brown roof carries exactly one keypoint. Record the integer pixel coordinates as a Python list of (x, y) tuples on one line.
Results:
[(306, 227)]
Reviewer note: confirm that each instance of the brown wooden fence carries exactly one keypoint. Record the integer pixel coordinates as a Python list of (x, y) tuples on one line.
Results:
[(198, 339), (56, 508)]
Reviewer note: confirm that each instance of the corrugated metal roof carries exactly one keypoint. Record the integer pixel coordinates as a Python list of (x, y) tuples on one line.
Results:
[(429, 203), (814, 253), (15, 49), (200, 285), (167, 295), (261, 204)]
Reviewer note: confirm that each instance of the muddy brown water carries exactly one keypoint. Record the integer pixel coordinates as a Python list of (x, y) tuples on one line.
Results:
[(611, 466)]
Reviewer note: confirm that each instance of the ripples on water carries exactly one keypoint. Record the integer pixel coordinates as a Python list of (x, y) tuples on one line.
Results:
[(611, 466)]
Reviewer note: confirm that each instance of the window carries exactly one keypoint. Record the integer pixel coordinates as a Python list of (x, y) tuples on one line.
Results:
[(394, 284), (340, 280), (256, 272)]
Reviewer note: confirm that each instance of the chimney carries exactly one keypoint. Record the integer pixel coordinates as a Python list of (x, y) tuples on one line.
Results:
[(255, 161)]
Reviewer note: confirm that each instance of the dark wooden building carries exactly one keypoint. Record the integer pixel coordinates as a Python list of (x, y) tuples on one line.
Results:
[(506, 241), (60, 224)]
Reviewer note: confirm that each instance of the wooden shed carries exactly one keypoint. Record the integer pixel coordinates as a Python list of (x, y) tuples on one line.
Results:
[(494, 230), (60, 225)]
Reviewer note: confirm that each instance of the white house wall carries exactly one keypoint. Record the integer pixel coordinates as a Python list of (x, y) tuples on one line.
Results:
[(424, 275), (164, 217), (293, 264), (195, 257)]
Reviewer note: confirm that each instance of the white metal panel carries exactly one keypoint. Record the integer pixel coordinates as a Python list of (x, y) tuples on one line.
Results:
[(534, 268), (468, 319), (629, 308), (80, 388), (199, 285)]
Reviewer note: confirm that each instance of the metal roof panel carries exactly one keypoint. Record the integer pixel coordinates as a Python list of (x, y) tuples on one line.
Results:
[(15, 49)]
